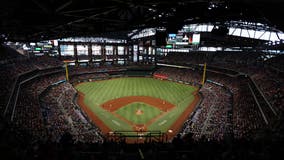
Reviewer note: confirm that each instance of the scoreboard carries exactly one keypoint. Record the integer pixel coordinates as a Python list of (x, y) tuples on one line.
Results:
[(182, 39)]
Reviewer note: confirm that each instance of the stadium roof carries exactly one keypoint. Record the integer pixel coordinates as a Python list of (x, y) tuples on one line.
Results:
[(34, 20)]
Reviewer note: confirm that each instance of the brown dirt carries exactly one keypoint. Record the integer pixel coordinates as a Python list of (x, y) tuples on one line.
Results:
[(115, 104)]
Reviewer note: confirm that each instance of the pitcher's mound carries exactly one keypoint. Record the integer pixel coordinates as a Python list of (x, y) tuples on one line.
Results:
[(139, 112)]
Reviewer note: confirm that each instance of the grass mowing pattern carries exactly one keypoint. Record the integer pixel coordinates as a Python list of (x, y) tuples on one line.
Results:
[(98, 92), (129, 112)]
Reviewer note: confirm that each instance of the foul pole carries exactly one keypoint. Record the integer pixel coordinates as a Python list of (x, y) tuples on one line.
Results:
[(66, 71), (204, 74)]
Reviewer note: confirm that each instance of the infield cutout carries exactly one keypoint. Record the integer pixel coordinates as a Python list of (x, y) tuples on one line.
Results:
[(115, 104)]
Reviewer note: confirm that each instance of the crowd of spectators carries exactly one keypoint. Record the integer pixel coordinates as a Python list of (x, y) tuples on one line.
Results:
[(18, 67), (268, 79), (10, 73), (271, 84), (82, 70), (44, 62), (211, 119), (186, 58), (55, 116), (9, 55), (88, 77), (266, 72), (62, 115), (276, 62), (47, 112), (246, 116), (213, 58), (185, 75), (27, 113)]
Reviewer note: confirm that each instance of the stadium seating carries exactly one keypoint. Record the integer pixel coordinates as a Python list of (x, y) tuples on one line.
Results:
[(45, 116)]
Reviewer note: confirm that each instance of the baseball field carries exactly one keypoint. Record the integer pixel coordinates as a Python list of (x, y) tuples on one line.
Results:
[(137, 104)]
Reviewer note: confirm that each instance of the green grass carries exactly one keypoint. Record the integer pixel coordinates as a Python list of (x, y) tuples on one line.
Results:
[(129, 112), (99, 92)]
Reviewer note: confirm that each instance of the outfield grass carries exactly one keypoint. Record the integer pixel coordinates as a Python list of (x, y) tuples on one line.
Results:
[(97, 93), (129, 112)]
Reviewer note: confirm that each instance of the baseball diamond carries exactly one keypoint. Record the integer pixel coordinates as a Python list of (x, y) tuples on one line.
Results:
[(137, 104)]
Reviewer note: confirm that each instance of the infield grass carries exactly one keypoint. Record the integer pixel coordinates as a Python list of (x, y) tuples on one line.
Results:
[(131, 113)]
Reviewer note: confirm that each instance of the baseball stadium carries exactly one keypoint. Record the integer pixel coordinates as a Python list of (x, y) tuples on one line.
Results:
[(125, 80)]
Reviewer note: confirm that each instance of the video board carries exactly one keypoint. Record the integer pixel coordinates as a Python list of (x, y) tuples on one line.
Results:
[(96, 50), (120, 50), (67, 50), (182, 39), (82, 50)]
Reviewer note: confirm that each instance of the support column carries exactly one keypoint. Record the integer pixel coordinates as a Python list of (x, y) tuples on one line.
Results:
[(126, 55), (130, 53), (76, 55), (114, 54), (147, 55), (138, 52), (103, 52), (155, 56), (90, 55), (59, 50)]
